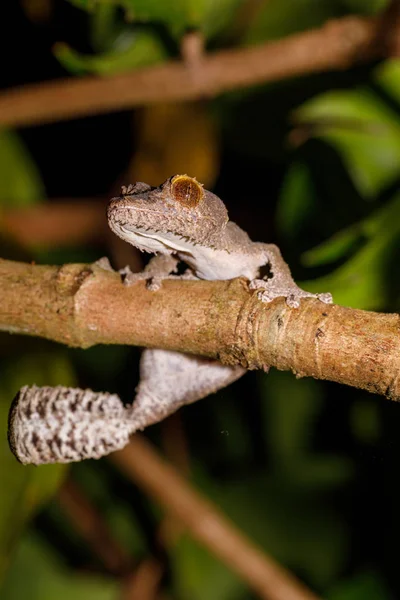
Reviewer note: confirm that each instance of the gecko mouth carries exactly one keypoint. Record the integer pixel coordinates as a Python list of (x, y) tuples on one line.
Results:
[(147, 239)]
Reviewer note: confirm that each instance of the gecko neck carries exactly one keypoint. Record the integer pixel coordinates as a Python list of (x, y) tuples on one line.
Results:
[(233, 257), (218, 264)]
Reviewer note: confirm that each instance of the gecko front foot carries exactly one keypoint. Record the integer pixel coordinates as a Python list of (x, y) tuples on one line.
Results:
[(104, 263), (159, 268), (153, 282), (270, 289)]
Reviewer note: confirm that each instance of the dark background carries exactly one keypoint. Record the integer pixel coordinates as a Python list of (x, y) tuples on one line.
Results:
[(306, 469)]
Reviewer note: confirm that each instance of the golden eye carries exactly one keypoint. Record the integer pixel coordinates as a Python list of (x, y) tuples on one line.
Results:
[(186, 191)]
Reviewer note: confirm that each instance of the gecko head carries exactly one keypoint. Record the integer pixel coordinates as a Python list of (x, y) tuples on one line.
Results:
[(173, 217)]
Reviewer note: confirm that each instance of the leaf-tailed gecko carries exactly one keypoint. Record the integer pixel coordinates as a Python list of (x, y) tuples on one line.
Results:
[(178, 221)]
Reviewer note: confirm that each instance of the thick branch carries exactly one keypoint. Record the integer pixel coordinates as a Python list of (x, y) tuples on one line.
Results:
[(338, 44), (83, 305)]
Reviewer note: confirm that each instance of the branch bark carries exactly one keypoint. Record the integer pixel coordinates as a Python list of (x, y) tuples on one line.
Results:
[(337, 45), (83, 305)]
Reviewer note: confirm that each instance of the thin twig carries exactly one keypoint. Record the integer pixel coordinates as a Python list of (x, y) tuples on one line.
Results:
[(61, 222), (207, 524), (338, 44), (90, 524), (144, 583), (65, 223)]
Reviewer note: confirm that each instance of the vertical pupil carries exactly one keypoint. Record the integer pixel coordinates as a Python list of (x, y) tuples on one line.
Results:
[(187, 191)]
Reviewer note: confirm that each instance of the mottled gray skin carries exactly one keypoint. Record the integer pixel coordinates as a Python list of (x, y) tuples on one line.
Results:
[(58, 424), (201, 235), (178, 221)]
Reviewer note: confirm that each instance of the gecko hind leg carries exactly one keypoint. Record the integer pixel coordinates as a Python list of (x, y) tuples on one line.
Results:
[(59, 424), (169, 380)]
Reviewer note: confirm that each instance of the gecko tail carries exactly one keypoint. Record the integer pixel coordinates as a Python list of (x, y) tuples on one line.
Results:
[(61, 425)]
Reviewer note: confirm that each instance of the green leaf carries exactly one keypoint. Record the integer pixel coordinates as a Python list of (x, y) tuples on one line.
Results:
[(387, 75), (363, 281), (177, 15), (296, 202), (105, 26), (280, 18), (364, 130), (134, 49), (23, 489), (365, 135), (37, 574), (338, 246), (198, 574), (217, 16), (318, 199), (20, 182)]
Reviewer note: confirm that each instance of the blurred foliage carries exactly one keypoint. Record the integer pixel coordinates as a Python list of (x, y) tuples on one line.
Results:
[(195, 147), (37, 573), (134, 49), (20, 181), (209, 16), (313, 163)]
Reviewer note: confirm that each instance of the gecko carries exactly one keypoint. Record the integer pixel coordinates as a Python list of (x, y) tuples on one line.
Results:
[(182, 221), (178, 221)]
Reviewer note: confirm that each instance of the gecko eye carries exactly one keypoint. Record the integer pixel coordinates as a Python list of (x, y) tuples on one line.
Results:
[(186, 191)]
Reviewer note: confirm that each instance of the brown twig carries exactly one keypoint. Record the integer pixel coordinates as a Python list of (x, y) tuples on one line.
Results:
[(192, 49), (65, 223), (138, 583), (338, 44), (91, 526), (58, 223), (207, 524), (387, 35), (144, 583), (83, 305), (175, 444)]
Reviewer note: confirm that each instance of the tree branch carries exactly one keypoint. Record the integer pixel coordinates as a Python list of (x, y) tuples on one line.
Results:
[(338, 44), (207, 524), (61, 222), (83, 305), (93, 528)]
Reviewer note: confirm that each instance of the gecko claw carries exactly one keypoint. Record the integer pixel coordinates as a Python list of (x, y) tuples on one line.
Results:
[(268, 290)]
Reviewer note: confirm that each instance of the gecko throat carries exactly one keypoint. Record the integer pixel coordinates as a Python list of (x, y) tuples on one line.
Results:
[(168, 240)]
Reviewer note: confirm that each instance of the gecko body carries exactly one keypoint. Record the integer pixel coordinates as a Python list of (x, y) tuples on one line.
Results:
[(181, 221)]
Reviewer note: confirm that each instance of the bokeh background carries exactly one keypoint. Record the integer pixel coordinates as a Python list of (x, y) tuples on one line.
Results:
[(308, 470)]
